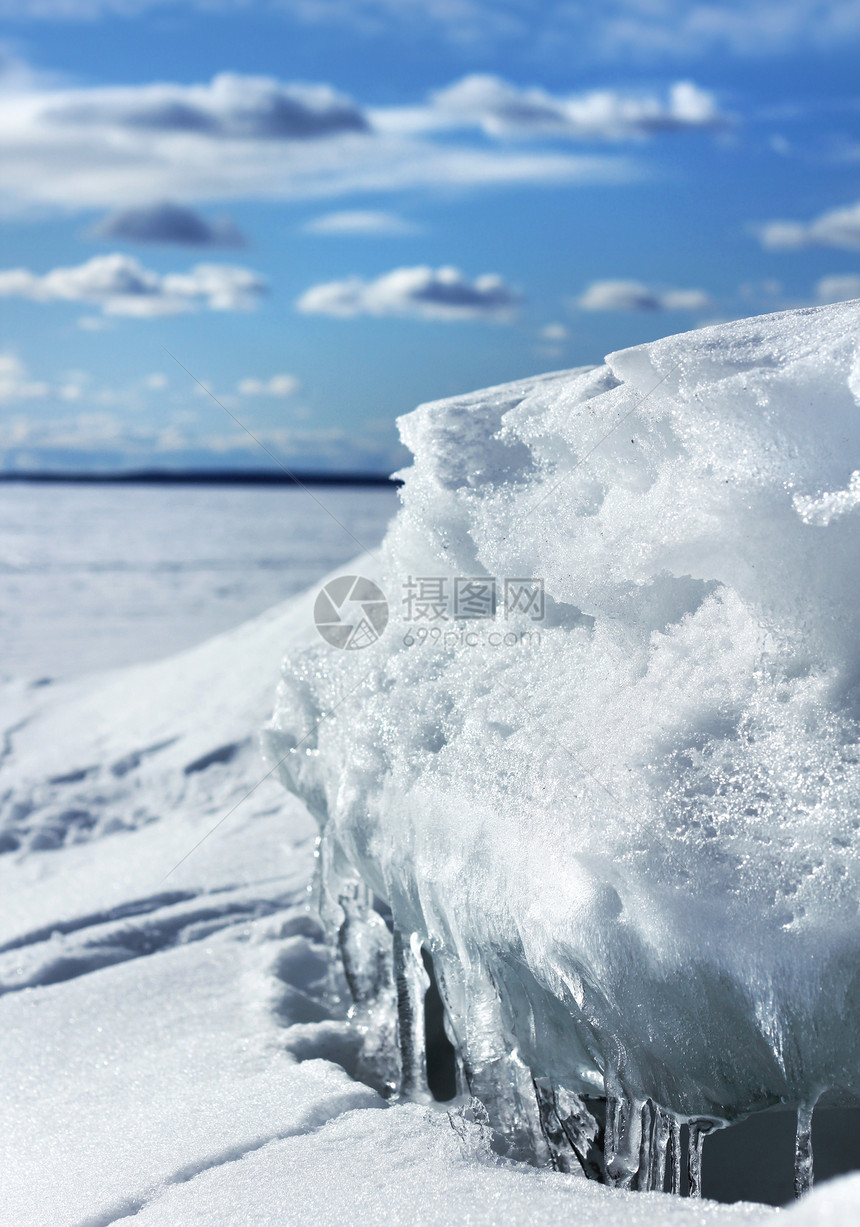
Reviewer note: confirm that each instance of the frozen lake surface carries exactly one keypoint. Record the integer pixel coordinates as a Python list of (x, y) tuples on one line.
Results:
[(97, 576)]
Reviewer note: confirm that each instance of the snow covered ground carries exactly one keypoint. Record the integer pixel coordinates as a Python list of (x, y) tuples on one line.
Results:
[(174, 1049)]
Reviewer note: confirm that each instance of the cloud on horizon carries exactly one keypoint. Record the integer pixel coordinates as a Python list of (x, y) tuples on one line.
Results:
[(838, 288), (17, 386), (95, 440), (637, 297), (421, 292), (276, 386), (168, 223), (120, 285), (834, 228)]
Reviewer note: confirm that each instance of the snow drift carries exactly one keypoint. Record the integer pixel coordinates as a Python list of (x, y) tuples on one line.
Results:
[(629, 843)]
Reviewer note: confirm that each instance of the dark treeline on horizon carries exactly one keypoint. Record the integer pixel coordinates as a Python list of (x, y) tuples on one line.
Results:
[(203, 477)]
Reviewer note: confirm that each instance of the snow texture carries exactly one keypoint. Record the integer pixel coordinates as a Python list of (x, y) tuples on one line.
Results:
[(175, 1047), (631, 847)]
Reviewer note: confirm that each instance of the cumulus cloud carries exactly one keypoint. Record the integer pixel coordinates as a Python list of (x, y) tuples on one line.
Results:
[(360, 222), (120, 285), (835, 228), (838, 288), (170, 224), (277, 385), (635, 296), (426, 293), (230, 106), (250, 138), (502, 109)]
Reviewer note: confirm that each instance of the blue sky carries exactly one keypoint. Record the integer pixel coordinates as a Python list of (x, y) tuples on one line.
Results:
[(330, 210)]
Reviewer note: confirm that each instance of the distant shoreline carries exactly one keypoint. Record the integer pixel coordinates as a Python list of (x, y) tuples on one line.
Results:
[(202, 477)]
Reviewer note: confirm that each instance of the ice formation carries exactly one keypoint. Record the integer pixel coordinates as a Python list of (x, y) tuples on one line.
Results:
[(627, 836)]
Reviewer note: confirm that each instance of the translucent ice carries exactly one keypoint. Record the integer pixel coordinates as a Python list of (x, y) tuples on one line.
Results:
[(627, 835)]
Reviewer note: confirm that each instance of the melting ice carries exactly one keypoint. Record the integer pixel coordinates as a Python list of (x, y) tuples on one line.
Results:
[(630, 843)]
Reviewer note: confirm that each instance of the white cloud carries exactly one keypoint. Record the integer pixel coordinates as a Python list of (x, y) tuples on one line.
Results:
[(835, 228), (635, 296), (80, 431), (838, 288), (423, 292), (95, 323), (229, 107), (246, 138), (554, 332), (120, 285), (360, 222), (502, 109), (103, 439), (277, 385), (15, 385)]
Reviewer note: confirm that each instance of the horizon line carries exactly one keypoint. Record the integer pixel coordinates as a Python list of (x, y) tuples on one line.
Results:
[(201, 477)]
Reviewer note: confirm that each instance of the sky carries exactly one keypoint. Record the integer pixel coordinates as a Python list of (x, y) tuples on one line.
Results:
[(324, 212)]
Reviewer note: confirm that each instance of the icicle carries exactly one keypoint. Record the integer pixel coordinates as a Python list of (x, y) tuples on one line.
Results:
[(462, 1080), (803, 1149), (411, 983), (623, 1140), (673, 1156), (364, 945), (449, 981), (642, 1180), (555, 1137), (661, 1132), (504, 1085), (699, 1129), (583, 1132), (494, 1070), (614, 1109)]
